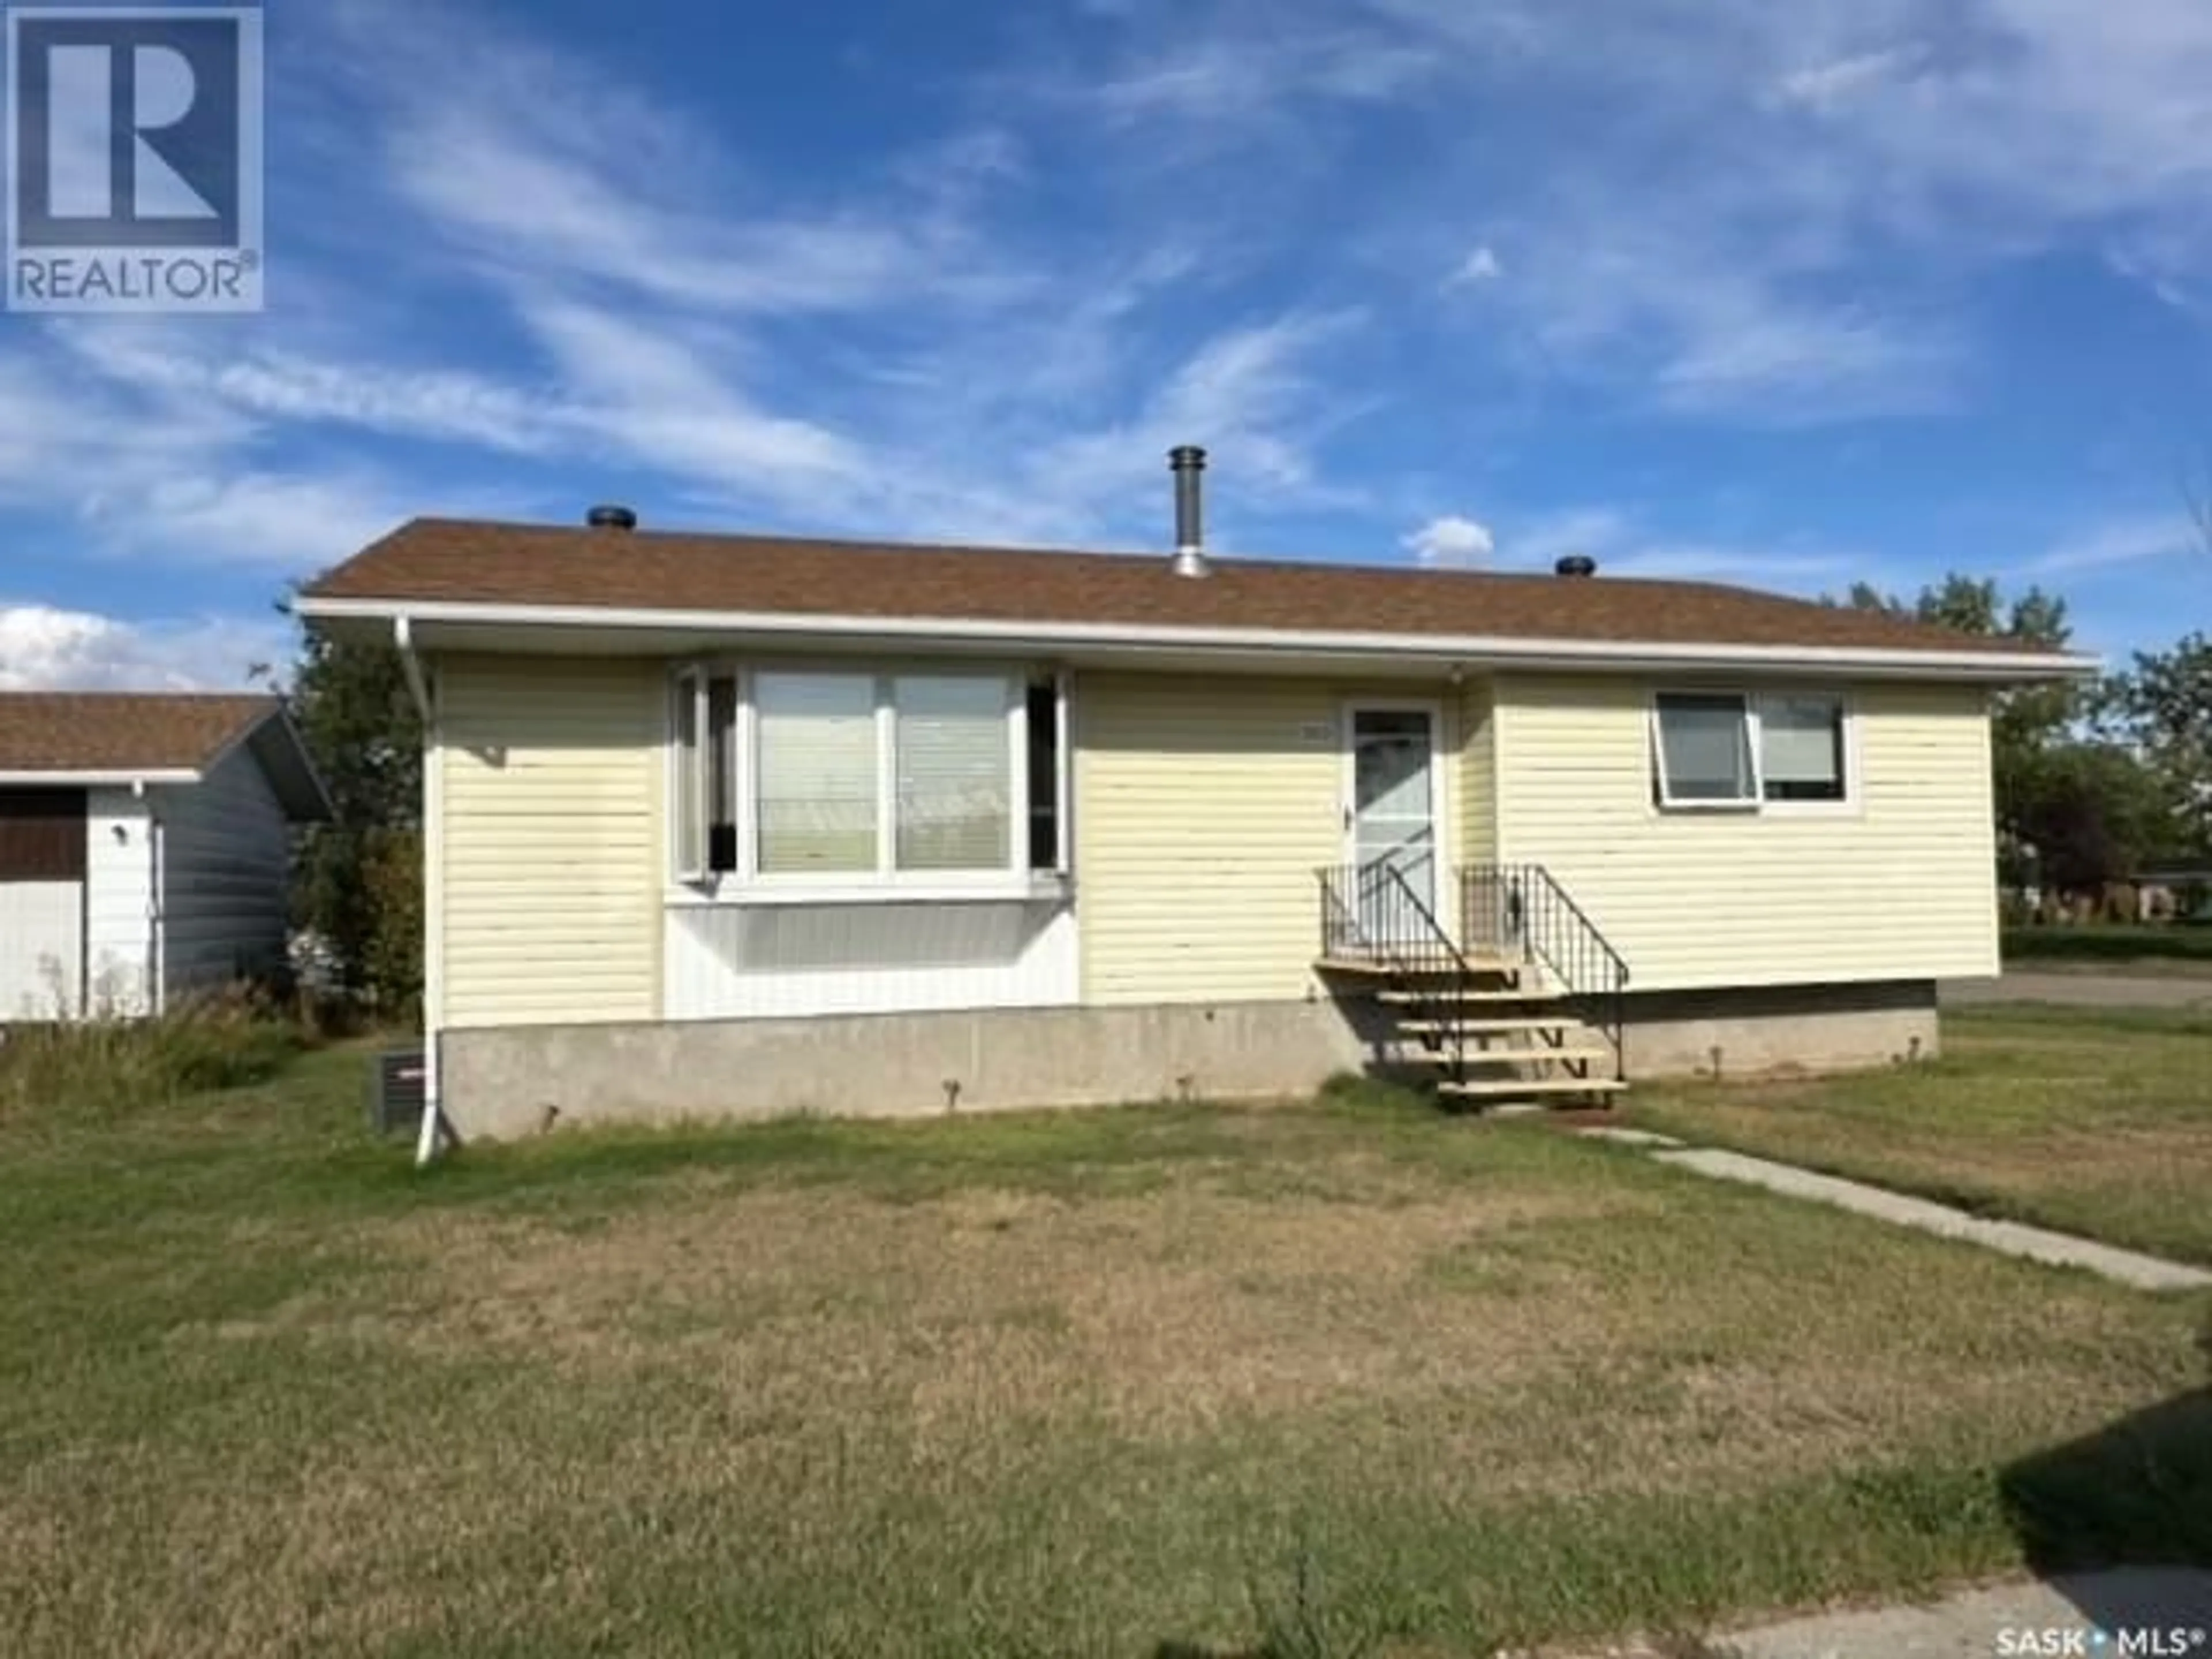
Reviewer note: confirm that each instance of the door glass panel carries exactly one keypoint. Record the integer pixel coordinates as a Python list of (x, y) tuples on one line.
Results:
[(1394, 818)]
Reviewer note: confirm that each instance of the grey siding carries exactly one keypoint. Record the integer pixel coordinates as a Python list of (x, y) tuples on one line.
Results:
[(225, 856)]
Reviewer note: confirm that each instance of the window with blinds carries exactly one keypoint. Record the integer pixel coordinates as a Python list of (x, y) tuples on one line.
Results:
[(955, 772), (1705, 751), (1800, 749), (818, 777), (1731, 750)]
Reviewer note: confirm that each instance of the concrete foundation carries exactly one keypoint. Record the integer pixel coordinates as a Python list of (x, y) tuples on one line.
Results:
[(512, 1081), (1779, 1030)]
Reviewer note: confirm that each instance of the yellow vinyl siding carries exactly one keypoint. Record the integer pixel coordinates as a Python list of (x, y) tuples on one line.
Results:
[(1899, 885), (549, 861), (1203, 808), (1475, 834)]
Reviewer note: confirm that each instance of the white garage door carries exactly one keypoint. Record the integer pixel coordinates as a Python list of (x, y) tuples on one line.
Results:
[(41, 949)]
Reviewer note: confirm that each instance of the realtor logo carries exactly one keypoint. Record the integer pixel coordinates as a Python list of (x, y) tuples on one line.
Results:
[(134, 158)]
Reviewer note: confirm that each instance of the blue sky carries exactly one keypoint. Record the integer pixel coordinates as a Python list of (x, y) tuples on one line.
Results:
[(1785, 294)]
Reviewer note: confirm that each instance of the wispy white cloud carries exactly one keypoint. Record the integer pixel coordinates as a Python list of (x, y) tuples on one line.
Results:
[(1826, 86), (44, 648), (279, 386), (2122, 542), (656, 396), (536, 165), (1235, 76), (1482, 265), (144, 470), (292, 523), (1753, 353)]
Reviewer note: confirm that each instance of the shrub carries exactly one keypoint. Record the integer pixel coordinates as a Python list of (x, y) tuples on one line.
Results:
[(114, 1067)]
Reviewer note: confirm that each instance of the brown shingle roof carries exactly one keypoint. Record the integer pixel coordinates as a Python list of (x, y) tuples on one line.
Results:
[(433, 560), (116, 733)]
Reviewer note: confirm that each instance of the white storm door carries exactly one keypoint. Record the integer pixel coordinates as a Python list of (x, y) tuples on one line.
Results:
[(1390, 816)]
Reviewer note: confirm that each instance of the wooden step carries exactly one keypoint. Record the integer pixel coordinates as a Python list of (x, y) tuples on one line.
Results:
[(1513, 1057), (1529, 1025), (1513, 1088), (1370, 967), (1402, 999)]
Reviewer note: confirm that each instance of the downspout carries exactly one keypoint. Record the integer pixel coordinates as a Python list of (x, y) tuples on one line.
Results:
[(84, 923), (418, 687), (156, 997)]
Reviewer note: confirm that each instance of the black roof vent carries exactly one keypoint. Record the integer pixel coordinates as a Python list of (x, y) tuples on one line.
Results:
[(610, 518), (1577, 565)]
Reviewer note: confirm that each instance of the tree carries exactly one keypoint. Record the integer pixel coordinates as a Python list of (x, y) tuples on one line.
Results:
[(2092, 813), (2163, 707), (358, 886)]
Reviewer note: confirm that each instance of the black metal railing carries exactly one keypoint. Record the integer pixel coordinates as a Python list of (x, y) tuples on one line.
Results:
[(1342, 937), (1518, 913), (1373, 915)]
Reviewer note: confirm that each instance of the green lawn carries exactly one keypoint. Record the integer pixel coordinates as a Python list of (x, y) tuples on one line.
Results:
[(2164, 950), (2096, 1122), (1352, 1377)]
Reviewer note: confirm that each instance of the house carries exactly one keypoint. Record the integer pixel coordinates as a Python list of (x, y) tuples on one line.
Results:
[(748, 824), (145, 846)]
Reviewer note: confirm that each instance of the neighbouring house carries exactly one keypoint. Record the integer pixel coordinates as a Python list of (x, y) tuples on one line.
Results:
[(145, 848), (746, 824)]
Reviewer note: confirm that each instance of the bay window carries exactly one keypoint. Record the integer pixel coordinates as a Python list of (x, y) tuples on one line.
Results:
[(847, 778), (1749, 752)]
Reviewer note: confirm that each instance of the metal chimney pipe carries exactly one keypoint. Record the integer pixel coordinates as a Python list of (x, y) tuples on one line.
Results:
[(1187, 462)]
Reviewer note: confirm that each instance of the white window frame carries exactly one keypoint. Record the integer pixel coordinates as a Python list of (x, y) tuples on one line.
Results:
[(1063, 708), (885, 883), (1847, 805), (688, 683), (1757, 804)]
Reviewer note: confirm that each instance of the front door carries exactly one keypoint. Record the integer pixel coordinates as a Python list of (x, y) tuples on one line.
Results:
[(1391, 818)]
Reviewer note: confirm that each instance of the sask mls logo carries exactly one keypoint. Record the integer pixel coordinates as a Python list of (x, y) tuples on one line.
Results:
[(134, 158)]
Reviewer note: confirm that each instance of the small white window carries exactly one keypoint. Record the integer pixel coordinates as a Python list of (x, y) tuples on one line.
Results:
[(704, 761), (1705, 750), (1801, 748), (722, 774), (1047, 701)]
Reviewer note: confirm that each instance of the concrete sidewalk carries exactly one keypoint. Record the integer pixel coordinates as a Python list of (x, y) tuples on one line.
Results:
[(2163, 1612), (2143, 1273), (2130, 1267)]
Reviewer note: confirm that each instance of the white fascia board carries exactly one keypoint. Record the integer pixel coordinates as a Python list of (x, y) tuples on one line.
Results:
[(1994, 667), (96, 779)]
